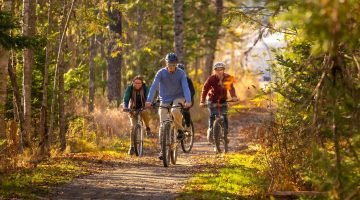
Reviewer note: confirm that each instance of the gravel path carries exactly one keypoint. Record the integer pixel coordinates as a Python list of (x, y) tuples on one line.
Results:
[(146, 178)]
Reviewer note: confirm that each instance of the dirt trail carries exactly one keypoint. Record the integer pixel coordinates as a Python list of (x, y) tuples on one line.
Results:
[(146, 178)]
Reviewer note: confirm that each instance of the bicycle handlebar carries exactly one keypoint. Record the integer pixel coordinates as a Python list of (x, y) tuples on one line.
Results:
[(134, 110), (167, 107), (217, 104)]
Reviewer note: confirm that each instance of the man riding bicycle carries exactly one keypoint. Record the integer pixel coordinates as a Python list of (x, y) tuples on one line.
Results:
[(173, 89), (215, 88), (134, 98)]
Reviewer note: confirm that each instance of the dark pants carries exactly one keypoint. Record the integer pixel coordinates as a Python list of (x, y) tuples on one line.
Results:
[(187, 117), (214, 110)]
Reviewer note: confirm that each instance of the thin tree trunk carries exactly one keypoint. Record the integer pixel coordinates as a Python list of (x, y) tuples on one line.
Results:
[(103, 55), (20, 110), (92, 74), (45, 145), (196, 67), (57, 71), (179, 29), (138, 40), (162, 13), (114, 56), (61, 106), (212, 42), (29, 18)]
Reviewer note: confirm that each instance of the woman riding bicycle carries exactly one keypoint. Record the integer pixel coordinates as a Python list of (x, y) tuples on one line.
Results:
[(215, 88), (134, 98)]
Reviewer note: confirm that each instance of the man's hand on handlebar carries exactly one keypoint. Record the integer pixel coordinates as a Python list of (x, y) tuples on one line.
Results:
[(187, 105), (203, 105), (148, 104), (234, 99)]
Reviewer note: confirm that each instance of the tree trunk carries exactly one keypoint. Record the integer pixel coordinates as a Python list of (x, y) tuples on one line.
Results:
[(61, 106), (114, 56), (179, 29), (139, 38), (58, 72), (103, 55), (92, 74), (45, 147), (213, 40), (4, 60), (29, 18), (20, 110)]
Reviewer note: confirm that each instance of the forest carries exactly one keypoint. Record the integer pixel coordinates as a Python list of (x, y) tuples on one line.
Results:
[(65, 66)]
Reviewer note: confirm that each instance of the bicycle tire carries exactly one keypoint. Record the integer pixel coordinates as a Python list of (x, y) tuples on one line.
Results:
[(218, 127), (188, 142), (173, 146), (165, 143), (138, 142)]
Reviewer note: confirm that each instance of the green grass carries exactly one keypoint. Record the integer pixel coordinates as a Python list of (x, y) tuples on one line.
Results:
[(32, 183), (241, 178)]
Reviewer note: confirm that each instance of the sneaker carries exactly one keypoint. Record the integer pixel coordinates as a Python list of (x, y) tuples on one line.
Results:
[(180, 135), (215, 149), (210, 137), (160, 156), (131, 151), (187, 128)]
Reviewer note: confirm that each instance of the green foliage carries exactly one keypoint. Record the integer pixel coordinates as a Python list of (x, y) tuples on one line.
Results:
[(78, 145), (76, 80), (8, 41), (241, 178), (314, 144)]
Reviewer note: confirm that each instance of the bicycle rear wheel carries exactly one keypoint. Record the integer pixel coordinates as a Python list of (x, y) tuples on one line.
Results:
[(138, 142), (165, 143), (220, 137), (188, 141)]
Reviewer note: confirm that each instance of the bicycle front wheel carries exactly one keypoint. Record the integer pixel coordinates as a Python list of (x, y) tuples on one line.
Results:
[(173, 146), (138, 142), (165, 143), (220, 137)]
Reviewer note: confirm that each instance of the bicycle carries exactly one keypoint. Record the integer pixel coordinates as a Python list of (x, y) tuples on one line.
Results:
[(168, 137), (218, 129), (138, 132)]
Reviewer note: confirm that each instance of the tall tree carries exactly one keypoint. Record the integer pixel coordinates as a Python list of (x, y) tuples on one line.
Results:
[(114, 54), (29, 19), (92, 73), (58, 73), (44, 103), (4, 59), (212, 40), (179, 29)]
